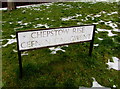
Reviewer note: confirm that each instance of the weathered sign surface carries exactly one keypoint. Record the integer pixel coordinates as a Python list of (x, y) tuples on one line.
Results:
[(51, 37)]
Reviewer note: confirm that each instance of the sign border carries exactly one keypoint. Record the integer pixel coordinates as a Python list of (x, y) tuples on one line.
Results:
[(53, 45)]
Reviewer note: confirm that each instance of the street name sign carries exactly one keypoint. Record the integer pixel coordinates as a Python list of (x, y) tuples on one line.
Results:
[(42, 38), (51, 37)]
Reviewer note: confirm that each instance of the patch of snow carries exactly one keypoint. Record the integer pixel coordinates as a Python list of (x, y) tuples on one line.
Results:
[(96, 45), (23, 11), (37, 18), (82, 20), (95, 83), (77, 15), (103, 12), (113, 25), (86, 18), (33, 5), (109, 23), (96, 31), (114, 64), (3, 8), (114, 86), (10, 22), (18, 28), (13, 36), (101, 21), (61, 4), (48, 18), (100, 38), (24, 24), (65, 46), (1, 40), (93, 18), (109, 32), (66, 8), (95, 23), (48, 4), (79, 23), (1, 43), (37, 9), (36, 5), (116, 30), (66, 19), (112, 13), (24, 53), (14, 50), (10, 41), (70, 17), (97, 15), (54, 50), (20, 22), (40, 25)]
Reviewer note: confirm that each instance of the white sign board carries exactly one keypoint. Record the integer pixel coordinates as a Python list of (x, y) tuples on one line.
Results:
[(51, 37)]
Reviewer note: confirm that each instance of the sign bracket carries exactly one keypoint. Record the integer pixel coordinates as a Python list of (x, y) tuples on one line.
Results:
[(20, 63), (92, 42)]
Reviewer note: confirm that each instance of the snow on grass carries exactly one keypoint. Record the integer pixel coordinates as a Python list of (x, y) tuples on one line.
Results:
[(10, 41), (70, 17), (61, 4), (23, 11), (41, 25), (103, 12), (31, 6), (109, 32), (24, 53), (96, 23), (112, 13), (18, 28), (35, 5), (25, 24), (54, 50), (10, 22), (96, 31), (116, 30), (14, 50), (113, 25), (37, 9), (114, 86), (37, 18), (3, 8), (65, 46), (13, 36), (96, 45), (1, 42), (114, 64), (109, 23), (20, 22), (79, 23), (100, 38), (95, 83), (97, 15)]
